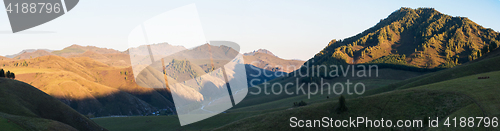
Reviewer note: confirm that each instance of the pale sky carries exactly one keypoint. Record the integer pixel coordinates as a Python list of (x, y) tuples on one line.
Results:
[(290, 29)]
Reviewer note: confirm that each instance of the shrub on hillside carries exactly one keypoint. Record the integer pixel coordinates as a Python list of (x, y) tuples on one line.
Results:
[(301, 103), (2, 73), (341, 107), (493, 45), (8, 74), (391, 59)]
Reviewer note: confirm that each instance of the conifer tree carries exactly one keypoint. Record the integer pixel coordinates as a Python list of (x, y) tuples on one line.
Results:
[(2, 73)]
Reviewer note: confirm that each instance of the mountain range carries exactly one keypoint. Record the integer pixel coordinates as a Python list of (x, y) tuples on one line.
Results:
[(26, 51), (99, 81)]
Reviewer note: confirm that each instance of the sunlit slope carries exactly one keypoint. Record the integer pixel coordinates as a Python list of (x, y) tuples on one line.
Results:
[(422, 37), (89, 86), (77, 49), (31, 109), (112, 59)]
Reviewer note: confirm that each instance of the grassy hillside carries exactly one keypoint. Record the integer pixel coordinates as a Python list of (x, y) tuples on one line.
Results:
[(461, 97), (471, 68), (26, 108), (112, 59), (461, 81), (89, 86), (167, 123), (386, 77), (420, 37), (252, 105)]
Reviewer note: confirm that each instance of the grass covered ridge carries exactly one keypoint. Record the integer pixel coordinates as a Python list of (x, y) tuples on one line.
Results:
[(31, 109)]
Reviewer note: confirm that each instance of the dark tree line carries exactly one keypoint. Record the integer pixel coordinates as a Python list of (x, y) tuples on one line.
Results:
[(488, 48), (7, 74), (405, 67)]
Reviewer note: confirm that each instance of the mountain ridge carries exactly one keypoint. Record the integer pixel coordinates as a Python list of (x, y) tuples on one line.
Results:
[(102, 84), (272, 62), (36, 53), (26, 51), (259, 51), (97, 84), (422, 37)]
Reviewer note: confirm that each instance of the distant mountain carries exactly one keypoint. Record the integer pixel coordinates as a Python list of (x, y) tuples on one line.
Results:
[(26, 51), (266, 60), (422, 37), (91, 54), (36, 53), (71, 51), (77, 49), (27, 107), (113, 57), (259, 51), (163, 48)]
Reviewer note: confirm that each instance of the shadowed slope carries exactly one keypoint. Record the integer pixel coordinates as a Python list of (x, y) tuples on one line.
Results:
[(89, 86), (32, 109)]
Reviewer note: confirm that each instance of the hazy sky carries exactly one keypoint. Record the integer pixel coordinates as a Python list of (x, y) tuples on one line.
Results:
[(289, 29)]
